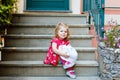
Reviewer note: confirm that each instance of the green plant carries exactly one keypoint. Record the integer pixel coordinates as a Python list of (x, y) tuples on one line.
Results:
[(112, 36), (6, 10)]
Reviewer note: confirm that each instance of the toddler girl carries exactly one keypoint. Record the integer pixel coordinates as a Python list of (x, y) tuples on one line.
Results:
[(60, 49)]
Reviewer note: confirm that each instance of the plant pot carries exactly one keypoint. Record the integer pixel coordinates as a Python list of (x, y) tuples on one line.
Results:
[(109, 62)]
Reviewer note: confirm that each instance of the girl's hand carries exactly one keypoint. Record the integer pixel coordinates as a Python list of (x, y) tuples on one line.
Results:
[(59, 52), (65, 55)]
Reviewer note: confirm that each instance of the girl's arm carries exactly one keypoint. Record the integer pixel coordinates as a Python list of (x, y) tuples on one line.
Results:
[(59, 52)]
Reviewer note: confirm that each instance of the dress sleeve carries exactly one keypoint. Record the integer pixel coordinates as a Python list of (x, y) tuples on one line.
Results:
[(55, 40), (67, 42)]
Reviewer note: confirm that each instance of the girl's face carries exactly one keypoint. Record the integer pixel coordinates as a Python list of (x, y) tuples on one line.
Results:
[(62, 32)]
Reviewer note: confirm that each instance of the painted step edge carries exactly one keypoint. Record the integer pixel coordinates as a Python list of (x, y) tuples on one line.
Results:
[(48, 15), (40, 63), (50, 78), (48, 26), (43, 48)]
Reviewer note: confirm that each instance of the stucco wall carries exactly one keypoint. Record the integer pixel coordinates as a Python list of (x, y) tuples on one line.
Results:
[(112, 3), (20, 5)]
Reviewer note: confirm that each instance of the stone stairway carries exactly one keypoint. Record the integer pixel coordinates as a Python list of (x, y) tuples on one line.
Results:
[(28, 39)]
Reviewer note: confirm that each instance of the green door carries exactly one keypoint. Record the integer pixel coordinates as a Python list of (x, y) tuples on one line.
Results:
[(51, 5)]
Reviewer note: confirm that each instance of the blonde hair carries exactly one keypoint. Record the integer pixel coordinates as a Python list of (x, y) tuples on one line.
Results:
[(65, 26)]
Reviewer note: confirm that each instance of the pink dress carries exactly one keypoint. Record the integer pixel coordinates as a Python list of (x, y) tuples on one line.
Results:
[(52, 58)]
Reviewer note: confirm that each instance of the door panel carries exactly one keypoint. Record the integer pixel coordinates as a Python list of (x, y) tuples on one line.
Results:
[(47, 4)]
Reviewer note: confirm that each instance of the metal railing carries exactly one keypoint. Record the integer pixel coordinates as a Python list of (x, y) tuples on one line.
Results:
[(95, 8)]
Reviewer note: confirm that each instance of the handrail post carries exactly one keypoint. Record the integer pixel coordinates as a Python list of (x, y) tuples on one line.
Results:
[(96, 10), (102, 18)]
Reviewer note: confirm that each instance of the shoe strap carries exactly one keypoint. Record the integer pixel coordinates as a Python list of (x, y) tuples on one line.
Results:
[(72, 72)]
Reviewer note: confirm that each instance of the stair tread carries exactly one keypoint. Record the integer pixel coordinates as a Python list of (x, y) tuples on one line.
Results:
[(51, 78), (40, 63), (44, 36), (46, 48)]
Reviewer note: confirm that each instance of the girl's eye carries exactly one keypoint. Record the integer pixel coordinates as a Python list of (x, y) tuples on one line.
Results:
[(61, 31), (64, 31)]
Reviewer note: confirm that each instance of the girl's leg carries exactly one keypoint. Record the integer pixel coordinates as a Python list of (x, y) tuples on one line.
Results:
[(69, 71), (63, 61), (66, 64)]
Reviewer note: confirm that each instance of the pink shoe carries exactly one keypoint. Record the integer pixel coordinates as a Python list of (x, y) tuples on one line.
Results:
[(71, 74)]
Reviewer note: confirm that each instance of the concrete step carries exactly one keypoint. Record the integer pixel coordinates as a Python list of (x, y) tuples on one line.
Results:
[(49, 19), (44, 40), (46, 29), (51, 78), (39, 53), (37, 68)]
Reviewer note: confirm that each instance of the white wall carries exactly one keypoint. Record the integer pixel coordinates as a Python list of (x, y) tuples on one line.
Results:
[(113, 17), (20, 6), (75, 5)]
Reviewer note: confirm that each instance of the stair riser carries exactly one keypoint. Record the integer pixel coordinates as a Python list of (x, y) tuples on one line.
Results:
[(49, 20), (43, 42), (45, 71), (40, 56), (44, 30)]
